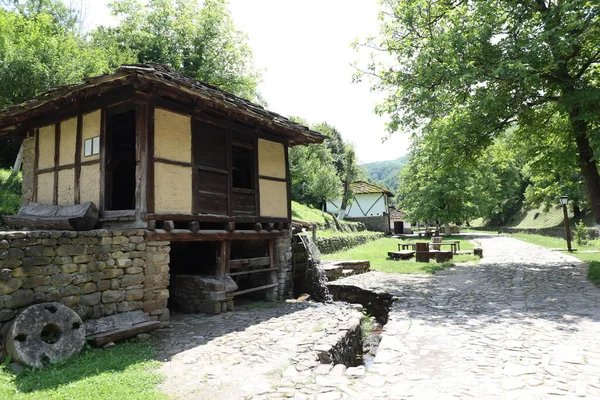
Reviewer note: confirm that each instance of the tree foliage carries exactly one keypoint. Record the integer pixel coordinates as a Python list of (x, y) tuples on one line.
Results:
[(199, 40), (465, 71)]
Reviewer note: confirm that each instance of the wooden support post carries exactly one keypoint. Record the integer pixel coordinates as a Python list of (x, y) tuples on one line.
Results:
[(223, 261), (194, 226), (230, 226), (168, 225)]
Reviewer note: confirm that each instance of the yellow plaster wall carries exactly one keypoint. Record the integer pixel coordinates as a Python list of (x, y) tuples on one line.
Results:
[(46, 147), (172, 188), (89, 184), (68, 135), (172, 136), (271, 159), (90, 129), (66, 186), (45, 188), (273, 199)]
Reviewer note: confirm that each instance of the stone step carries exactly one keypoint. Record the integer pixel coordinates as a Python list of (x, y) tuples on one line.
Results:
[(348, 272)]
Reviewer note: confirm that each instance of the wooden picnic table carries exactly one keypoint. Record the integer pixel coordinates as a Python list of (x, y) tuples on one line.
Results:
[(454, 245)]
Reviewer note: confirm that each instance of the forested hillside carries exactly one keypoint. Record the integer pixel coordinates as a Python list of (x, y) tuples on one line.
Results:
[(385, 172)]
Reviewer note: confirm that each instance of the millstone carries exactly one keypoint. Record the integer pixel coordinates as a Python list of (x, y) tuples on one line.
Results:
[(43, 334)]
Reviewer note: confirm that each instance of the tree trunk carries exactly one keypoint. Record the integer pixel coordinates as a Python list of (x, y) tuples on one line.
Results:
[(447, 228), (588, 166)]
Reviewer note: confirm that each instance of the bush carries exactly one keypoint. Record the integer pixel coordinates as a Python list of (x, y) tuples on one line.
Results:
[(581, 234), (10, 192)]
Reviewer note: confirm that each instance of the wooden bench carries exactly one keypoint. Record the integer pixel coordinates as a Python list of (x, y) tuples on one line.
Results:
[(401, 255)]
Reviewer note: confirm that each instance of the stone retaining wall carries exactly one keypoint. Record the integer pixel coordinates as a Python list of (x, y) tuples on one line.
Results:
[(552, 232), (380, 223), (338, 243), (96, 273)]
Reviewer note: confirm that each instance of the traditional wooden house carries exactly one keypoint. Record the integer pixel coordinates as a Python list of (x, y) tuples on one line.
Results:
[(369, 205), (194, 169), (398, 222)]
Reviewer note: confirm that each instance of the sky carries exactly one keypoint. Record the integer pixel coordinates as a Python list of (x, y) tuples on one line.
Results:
[(303, 48)]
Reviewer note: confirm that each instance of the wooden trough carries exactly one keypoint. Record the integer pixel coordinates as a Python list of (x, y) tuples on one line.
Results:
[(76, 217)]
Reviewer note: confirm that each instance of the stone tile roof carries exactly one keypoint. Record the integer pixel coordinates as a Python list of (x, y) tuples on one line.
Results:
[(361, 187), (396, 214), (160, 78)]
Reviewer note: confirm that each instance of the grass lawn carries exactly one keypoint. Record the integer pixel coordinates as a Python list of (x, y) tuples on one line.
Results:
[(125, 371), (592, 259), (376, 252)]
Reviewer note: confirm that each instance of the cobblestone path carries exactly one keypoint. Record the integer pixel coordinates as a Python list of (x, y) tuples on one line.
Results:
[(524, 323)]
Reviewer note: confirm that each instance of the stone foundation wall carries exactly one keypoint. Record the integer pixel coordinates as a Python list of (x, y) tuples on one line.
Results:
[(335, 244), (285, 271), (379, 223), (96, 273), (552, 232)]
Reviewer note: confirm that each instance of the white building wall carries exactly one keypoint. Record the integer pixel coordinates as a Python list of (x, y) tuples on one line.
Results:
[(374, 203)]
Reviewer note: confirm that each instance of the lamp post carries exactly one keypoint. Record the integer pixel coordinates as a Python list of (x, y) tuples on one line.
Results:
[(564, 200)]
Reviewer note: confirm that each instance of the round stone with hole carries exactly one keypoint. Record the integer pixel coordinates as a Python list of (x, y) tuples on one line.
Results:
[(43, 334)]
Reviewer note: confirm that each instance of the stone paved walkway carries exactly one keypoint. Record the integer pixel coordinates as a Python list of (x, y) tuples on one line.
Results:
[(524, 323)]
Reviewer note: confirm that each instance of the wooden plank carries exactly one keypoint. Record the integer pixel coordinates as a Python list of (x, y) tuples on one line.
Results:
[(80, 217), (254, 289), (185, 235), (249, 262), (124, 333), (56, 161), (78, 144), (251, 271), (114, 322)]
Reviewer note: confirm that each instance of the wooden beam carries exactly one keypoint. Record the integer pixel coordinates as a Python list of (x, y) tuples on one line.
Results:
[(150, 160), (188, 217), (141, 157), (194, 226), (251, 271), (56, 161), (168, 225), (230, 226), (103, 157), (124, 333), (184, 235), (249, 262), (36, 162), (258, 226), (223, 259), (289, 180), (254, 289), (151, 224), (78, 145)]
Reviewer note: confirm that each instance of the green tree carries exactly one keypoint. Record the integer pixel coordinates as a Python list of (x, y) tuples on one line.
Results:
[(481, 66), (39, 50), (198, 40)]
